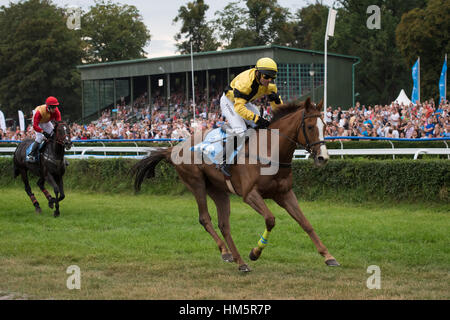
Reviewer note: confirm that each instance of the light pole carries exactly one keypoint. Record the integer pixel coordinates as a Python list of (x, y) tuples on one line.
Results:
[(311, 73)]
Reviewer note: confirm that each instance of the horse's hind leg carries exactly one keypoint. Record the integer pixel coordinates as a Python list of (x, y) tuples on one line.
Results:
[(24, 176), (198, 189), (290, 203), (222, 201), (55, 186), (41, 185), (205, 220)]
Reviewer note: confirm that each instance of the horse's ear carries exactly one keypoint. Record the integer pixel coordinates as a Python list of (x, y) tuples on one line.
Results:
[(320, 105), (308, 104)]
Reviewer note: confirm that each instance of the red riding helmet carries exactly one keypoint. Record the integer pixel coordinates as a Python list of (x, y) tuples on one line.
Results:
[(52, 101)]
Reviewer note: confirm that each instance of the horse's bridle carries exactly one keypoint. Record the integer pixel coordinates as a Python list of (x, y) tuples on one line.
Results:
[(308, 146), (62, 140)]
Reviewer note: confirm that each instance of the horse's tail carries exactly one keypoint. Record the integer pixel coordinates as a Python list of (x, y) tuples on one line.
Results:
[(15, 160), (146, 167)]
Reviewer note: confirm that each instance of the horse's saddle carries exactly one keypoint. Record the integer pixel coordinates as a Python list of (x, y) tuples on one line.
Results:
[(213, 144), (28, 151)]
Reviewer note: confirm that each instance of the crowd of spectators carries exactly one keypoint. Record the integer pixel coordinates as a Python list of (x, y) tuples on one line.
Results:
[(423, 120), (156, 121)]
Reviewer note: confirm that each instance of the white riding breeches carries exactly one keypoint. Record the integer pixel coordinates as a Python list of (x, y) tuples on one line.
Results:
[(47, 127), (237, 123)]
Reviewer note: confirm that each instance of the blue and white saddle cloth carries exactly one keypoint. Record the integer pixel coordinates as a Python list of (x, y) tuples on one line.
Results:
[(212, 146)]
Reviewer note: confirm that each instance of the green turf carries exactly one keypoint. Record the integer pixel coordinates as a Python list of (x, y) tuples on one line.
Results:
[(152, 247)]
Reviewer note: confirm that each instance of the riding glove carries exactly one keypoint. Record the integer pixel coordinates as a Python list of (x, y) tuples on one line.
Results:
[(46, 135), (262, 123), (274, 97)]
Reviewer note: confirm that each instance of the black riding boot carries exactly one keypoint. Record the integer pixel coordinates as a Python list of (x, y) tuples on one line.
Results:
[(32, 157), (224, 166)]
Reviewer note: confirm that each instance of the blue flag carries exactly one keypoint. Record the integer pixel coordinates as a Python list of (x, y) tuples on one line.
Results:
[(415, 76), (442, 93)]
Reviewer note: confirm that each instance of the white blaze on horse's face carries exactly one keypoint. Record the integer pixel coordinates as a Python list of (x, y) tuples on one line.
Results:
[(323, 149), (66, 133)]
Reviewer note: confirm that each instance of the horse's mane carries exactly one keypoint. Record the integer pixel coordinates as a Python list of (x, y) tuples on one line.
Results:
[(287, 109)]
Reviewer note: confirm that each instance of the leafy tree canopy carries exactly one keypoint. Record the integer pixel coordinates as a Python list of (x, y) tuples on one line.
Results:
[(38, 56), (113, 32)]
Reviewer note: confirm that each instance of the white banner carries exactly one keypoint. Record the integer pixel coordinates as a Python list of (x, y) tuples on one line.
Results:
[(331, 22), (21, 121), (2, 121)]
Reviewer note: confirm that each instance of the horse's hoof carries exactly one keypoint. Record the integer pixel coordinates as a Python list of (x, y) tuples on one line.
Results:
[(254, 256), (56, 214), (332, 263), (51, 203), (227, 257), (244, 268), (38, 210)]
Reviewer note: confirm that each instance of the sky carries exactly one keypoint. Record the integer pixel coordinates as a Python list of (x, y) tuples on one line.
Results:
[(158, 15)]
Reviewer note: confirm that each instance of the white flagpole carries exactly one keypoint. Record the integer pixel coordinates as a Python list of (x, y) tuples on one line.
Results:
[(325, 76), (418, 89), (193, 90), (328, 32)]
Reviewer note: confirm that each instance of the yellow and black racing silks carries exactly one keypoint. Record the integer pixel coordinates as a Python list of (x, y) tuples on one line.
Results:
[(246, 88)]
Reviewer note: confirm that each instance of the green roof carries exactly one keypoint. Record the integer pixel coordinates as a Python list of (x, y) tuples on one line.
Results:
[(121, 62)]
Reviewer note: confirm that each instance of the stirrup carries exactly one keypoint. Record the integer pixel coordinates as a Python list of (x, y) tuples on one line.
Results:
[(224, 168), (30, 158)]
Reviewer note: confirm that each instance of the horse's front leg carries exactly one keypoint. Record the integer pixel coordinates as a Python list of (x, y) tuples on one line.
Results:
[(61, 189), (41, 185), (255, 200), (289, 202)]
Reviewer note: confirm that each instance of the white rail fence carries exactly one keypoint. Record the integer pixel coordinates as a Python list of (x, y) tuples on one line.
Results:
[(104, 152)]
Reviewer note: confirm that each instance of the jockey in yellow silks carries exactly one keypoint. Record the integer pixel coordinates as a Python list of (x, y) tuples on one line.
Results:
[(236, 102)]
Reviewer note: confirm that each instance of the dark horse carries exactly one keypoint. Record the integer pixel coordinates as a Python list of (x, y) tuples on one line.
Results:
[(298, 124), (50, 167)]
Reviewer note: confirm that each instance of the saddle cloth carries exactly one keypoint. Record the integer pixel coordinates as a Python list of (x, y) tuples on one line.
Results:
[(212, 146), (28, 151)]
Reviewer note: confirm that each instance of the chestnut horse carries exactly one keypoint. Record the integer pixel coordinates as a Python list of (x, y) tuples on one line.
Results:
[(50, 167), (298, 124)]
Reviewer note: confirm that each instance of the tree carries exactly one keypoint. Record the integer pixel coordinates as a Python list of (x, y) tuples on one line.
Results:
[(194, 29), (261, 22), (113, 32), (229, 23), (38, 58), (309, 27), (382, 73), (425, 33)]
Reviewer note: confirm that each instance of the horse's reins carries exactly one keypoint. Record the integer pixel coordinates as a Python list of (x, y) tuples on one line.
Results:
[(308, 146)]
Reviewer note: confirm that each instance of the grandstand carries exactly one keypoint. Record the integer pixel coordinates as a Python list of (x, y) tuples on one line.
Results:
[(158, 80)]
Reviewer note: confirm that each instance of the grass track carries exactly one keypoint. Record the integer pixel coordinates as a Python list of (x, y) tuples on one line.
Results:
[(152, 247)]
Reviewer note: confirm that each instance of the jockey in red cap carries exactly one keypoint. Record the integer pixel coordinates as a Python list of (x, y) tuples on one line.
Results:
[(42, 116)]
